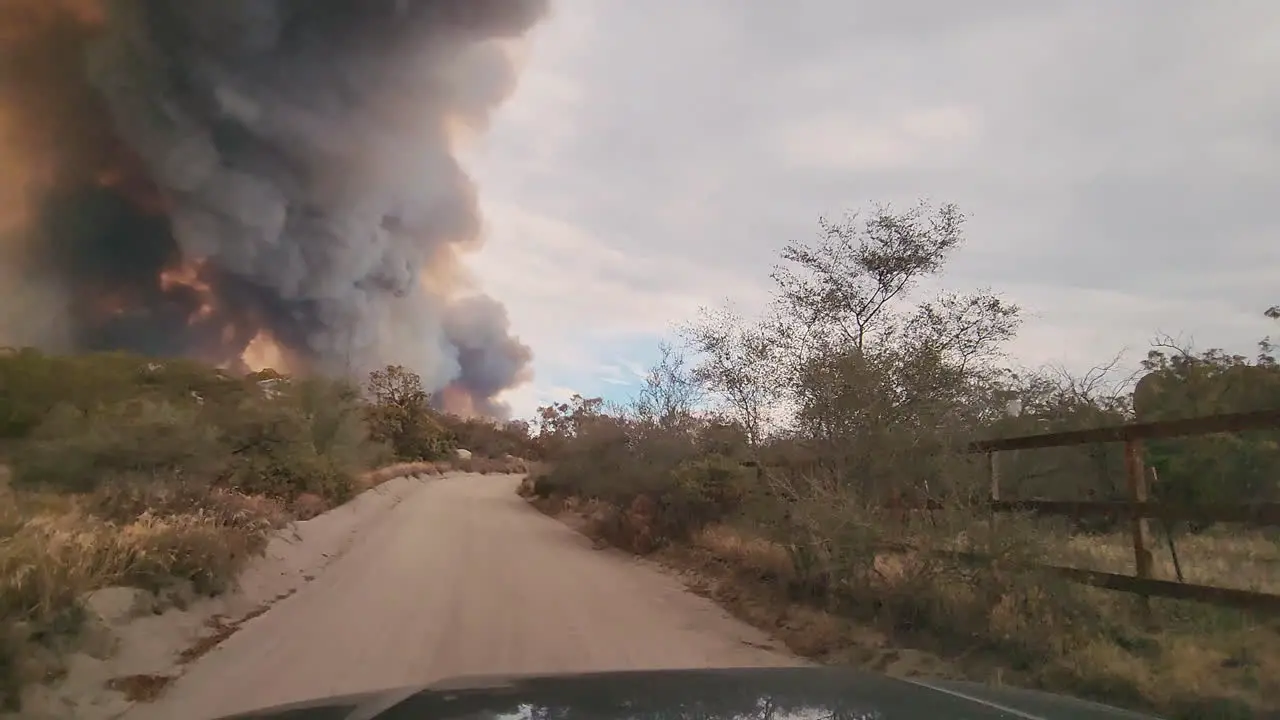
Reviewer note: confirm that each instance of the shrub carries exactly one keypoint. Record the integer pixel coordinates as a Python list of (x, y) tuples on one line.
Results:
[(546, 486), (73, 450), (655, 476), (142, 472), (337, 421), (488, 438), (124, 498), (850, 392), (400, 416)]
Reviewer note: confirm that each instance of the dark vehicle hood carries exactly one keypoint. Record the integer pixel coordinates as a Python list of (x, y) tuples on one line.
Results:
[(737, 694)]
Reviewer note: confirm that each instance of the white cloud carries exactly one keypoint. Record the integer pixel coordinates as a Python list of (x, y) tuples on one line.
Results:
[(657, 155), (1081, 328), (928, 136), (947, 123), (575, 299), (525, 400), (551, 272)]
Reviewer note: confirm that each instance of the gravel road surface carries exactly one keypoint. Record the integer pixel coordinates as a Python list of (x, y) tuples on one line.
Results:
[(462, 578)]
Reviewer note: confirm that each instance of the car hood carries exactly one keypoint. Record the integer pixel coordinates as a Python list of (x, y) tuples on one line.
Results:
[(731, 694)]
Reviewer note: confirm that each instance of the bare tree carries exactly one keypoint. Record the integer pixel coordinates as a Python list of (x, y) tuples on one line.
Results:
[(670, 394), (738, 364), (964, 327), (846, 281), (1106, 387), (396, 386)]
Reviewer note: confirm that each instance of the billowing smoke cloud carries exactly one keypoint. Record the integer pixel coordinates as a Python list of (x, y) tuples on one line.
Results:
[(219, 178)]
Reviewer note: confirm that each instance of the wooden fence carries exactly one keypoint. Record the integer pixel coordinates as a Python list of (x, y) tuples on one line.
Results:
[(1138, 508)]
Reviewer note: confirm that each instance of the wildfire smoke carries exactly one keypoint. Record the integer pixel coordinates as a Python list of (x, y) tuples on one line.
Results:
[(254, 182)]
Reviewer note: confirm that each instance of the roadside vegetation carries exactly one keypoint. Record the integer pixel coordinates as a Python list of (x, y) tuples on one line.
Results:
[(779, 456), (118, 470)]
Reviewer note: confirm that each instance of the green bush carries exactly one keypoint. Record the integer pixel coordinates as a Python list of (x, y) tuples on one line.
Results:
[(486, 438), (703, 491), (78, 423), (75, 451), (399, 416), (633, 466), (308, 439), (136, 471), (32, 384), (413, 433)]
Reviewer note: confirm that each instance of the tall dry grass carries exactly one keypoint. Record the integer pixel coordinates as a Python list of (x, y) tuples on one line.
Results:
[(55, 548), (1228, 557), (123, 470), (508, 465), (1195, 661), (844, 582)]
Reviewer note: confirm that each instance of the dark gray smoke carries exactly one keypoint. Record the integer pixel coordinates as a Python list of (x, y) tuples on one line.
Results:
[(302, 151)]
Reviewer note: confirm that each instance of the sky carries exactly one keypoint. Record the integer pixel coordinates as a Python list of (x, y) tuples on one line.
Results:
[(1117, 161)]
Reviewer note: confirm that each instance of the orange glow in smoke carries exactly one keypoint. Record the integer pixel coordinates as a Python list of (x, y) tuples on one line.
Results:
[(264, 353), (21, 177), (88, 12), (457, 401), (23, 19), (110, 304), (128, 181), (187, 276)]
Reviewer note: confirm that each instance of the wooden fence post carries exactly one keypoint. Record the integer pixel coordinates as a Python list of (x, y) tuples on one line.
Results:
[(993, 475), (1136, 476), (1154, 488)]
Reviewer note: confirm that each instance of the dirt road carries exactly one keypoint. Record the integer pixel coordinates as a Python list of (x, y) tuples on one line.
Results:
[(461, 578)]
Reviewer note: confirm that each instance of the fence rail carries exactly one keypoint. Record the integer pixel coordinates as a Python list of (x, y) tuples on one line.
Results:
[(1255, 514), (1150, 587), (1138, 508), (1225, 423)]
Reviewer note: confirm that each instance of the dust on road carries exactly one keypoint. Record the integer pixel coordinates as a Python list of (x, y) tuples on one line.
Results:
[(462, 578)]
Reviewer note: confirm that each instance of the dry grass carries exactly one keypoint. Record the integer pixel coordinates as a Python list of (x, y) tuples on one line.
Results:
[(53, 551), (506, 465), (56, 548), (746, 575), (1199, 662), (482, 465), (1243, 559), (911, 616), (391, 472)]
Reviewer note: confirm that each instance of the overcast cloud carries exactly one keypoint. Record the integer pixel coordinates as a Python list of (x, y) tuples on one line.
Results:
[(1120, 164)]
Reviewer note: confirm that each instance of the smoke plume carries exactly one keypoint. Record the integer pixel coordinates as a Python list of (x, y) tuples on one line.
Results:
[(255, 182)]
